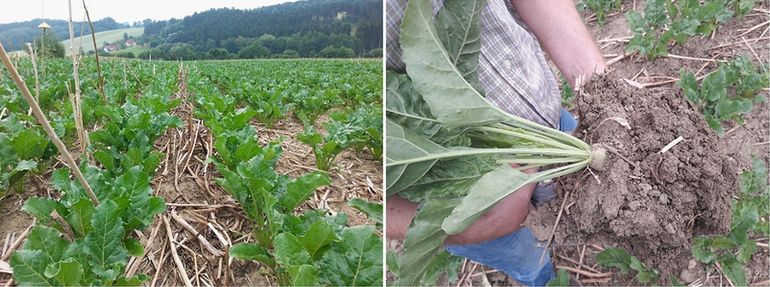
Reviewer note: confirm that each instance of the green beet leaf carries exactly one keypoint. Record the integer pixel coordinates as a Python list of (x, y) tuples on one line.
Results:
[(300, 189), (303, 275), (105, 244), (29, 268), (317, 237), (452, 99), (67, 272), (489, 189), (372, 210), (424, 239), (40, 207), (404, 145), (356, 260), (134, 247), (250, 251), (290, 251), (29, 144)]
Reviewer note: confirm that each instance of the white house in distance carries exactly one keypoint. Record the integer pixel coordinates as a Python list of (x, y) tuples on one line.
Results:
[(130, 43), (110, 48)]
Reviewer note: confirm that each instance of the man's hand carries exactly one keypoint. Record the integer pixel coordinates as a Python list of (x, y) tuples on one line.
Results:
[(504, 218), (560, 30)]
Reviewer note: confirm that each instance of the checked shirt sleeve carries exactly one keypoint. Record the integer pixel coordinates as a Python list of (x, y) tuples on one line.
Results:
[(512, 67)]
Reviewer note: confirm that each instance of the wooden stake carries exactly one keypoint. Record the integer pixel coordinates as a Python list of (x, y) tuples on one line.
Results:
[(41, 118), (32, 56), (96, 53), (81, 131)]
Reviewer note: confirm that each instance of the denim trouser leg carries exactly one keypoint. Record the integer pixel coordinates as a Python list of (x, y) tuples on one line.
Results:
[(518, 253), (567, 122)]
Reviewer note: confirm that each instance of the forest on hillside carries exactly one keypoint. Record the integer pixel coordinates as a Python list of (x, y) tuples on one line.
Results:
[(317, 28), (309, 28), (14, 35)]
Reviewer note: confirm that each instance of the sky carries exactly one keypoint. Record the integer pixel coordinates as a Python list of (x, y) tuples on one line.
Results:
[(121, 10)]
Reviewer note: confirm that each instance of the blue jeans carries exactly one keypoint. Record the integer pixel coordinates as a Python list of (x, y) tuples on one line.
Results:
[(518, 253), (567, 122)]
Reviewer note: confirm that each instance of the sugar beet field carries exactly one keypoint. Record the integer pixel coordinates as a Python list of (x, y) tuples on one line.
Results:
[(204, 173)]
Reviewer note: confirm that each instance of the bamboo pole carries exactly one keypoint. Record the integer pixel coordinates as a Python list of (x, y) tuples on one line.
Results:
[(96, 53), (33, 56), (81, 131), (46, 124)]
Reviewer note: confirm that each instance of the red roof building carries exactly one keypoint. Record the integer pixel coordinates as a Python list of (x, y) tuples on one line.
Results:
[(110, 48)]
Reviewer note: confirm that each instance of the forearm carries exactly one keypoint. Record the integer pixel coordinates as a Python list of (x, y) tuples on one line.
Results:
[(505, 217), (398, 216), (560, 30)]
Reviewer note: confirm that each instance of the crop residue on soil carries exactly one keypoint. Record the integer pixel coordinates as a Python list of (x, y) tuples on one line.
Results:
[(650, 203)]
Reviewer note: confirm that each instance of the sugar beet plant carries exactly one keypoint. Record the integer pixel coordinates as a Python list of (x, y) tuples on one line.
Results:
[(728, 93), (449, 149), (619, 258), (24, 147), (667, 21), (360, 129), (80, 241), (301, 250), (750, 214), (600, 7)]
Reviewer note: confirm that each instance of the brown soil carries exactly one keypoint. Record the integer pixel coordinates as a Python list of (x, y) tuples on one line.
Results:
[(14, 220), (650, 204)]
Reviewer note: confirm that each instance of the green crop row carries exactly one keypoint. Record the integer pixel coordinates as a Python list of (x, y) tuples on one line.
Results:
[(667, 21), (306, 248), (600, 7), (727, 93), (348, 91), (77, 241)]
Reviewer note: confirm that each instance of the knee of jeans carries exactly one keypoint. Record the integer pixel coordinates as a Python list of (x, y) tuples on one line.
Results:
[(567, 122), (517, 254)]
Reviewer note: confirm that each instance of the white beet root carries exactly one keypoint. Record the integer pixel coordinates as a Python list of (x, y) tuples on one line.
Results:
[(598, 155)]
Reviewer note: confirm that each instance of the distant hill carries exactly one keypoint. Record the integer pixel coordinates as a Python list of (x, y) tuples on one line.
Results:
[(14, 35), (304, 27), (101, 37)]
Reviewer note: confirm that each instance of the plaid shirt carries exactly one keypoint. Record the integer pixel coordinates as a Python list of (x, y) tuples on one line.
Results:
[(512, 68)]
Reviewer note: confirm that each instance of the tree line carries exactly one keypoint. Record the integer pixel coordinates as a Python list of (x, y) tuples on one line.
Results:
[(319, 28), (15, 35)]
